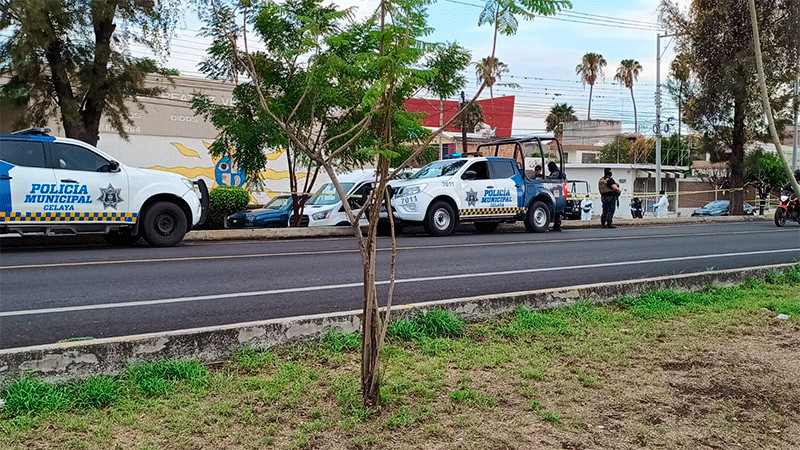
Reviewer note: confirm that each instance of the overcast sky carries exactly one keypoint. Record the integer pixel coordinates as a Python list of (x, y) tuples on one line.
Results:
[(541, 57)]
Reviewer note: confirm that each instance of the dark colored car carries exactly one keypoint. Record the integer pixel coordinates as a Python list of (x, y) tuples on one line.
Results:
[(720, 208), (274, 214), (577, 192)]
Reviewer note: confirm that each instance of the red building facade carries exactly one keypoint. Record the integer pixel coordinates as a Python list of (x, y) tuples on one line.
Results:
[(498, 113)]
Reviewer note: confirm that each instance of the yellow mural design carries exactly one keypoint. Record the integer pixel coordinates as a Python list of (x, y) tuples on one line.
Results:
[(185, 151), (209, 172)]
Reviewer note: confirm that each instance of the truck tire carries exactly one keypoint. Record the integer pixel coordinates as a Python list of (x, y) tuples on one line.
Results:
[(441, 219), (486, 227), (121, 238), (538, 218), (164, 224), (385, 229)]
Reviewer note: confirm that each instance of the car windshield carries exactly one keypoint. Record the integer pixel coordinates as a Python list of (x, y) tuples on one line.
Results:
[(276, 204), (326, 195), (717, 204), (439, 169)]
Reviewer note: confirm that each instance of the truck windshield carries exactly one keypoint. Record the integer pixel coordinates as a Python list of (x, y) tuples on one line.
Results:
[(326, 195), (439, 169)]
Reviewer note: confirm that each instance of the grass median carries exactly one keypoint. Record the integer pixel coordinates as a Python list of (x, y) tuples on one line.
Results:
[(671, 369)]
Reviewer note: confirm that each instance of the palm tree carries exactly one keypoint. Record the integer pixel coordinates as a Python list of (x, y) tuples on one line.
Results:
[(589, 69), (627, 73), (558, 115)]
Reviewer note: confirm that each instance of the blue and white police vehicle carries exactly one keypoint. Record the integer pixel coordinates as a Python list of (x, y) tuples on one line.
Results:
[(51, 185), (485, 190)]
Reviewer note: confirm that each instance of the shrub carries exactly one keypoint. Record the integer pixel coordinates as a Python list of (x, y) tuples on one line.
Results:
[(224, 201), (436, 323)]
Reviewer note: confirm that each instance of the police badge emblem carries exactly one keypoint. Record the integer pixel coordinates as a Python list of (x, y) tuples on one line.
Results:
[(110, 197), (472, 197)]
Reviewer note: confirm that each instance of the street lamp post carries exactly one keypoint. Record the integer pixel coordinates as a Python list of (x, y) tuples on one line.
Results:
[(658, 108)]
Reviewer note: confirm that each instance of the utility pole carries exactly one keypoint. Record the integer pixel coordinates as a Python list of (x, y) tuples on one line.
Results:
[(796, 105), (658, 109), (463, 123)]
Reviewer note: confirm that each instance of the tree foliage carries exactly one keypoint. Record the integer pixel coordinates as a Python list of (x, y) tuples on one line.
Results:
[(590, 69), (559, 114), (627, 73), (72, 58), (722, 102), (642, 151), (764, 171)]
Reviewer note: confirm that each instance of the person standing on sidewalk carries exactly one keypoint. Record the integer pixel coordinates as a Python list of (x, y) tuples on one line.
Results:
[(660, 207), (609, 192), (586, 208)]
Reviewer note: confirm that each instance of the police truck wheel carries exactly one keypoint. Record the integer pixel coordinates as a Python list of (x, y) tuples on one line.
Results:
[(440, 219), (538, 218), (121, 238), (486, 227), (385, 228), (164, 224), (780, 217)]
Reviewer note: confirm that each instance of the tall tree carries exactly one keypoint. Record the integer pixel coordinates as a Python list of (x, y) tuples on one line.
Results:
[(764, 171), (73, 59), (503, 16), (627, 74), (590, 68), (559, 114), (447, 63), (722, 102), (680, 70)]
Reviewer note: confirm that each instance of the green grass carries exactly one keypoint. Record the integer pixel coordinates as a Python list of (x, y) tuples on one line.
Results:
[(515, 381)]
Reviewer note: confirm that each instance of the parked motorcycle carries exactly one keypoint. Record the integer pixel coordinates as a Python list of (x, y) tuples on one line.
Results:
[(788, 209)]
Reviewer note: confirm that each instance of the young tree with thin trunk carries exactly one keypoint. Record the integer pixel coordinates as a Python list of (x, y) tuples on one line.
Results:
[(390, 59), (590, 68), (627, 73)]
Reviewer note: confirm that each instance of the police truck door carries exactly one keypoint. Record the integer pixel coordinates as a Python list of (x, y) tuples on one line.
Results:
[(23, 170), (96, 191), (508, 187)]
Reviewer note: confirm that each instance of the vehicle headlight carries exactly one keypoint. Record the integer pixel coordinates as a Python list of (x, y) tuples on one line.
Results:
[(784, 198), (411, 190), (321, 215)]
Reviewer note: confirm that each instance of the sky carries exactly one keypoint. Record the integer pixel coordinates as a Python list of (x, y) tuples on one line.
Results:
[(541, 57)]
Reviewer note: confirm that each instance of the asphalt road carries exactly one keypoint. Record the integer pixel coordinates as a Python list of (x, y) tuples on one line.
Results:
[(72, 291)]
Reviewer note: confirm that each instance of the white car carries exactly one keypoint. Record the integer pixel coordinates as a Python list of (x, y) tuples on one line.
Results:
[(324, 208), (51, 185)]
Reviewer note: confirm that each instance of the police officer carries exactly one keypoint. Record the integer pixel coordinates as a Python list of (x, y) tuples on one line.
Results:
[(609, 191)]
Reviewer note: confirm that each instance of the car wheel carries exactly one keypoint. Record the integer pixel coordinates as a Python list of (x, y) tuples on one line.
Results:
[(122, 238), (486, 227), (164, 224), (384, 228), (780, 217), (538, 218), (440, 219)]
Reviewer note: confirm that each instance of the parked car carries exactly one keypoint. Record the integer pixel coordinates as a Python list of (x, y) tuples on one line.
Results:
[(720, 208), (275, 214), (577, 192)]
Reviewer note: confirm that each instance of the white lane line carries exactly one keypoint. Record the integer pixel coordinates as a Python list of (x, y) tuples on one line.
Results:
[(341, 251), (382, 282)]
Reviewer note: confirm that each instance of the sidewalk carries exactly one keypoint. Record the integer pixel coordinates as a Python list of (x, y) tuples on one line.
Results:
[(323, 232)]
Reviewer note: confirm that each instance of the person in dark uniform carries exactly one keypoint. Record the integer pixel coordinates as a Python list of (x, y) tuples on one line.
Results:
[(609, 191), (554, 172)]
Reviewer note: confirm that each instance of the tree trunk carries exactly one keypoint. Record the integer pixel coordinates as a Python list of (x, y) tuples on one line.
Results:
[(635, 119), (736, 161), (589, 112)]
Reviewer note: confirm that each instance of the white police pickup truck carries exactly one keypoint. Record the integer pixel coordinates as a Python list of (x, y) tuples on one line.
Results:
[(51, 185), (484, 190)]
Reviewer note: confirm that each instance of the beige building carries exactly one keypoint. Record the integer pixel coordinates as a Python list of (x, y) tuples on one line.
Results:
[(167, 135)]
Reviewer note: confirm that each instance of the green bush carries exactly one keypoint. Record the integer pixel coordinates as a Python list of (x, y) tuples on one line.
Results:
[(224, 201), (436, 323)]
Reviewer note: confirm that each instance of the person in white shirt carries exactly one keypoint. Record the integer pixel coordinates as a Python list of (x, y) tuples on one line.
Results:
[(586, 208), (660, 207)]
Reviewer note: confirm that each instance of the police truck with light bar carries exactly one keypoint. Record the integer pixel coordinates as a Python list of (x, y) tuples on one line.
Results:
[(510, 186), (51, 185)]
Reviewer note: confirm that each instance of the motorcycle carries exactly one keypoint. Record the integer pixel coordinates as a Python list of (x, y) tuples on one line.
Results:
[(788, 209)]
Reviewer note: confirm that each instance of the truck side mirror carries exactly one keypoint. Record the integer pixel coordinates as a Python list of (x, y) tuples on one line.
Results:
[(113, 166), (469, 175)]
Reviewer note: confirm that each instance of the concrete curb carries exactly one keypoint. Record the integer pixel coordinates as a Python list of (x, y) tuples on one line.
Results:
[(80, 359), (322, 232)]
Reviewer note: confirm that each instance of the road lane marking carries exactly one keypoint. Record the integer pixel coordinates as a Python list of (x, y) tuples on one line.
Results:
[(379, 283), (344, 251)]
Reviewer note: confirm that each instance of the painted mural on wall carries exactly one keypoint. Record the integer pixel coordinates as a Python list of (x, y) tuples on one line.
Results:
[(189, 157)]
